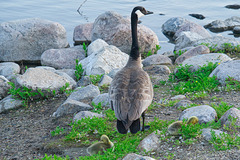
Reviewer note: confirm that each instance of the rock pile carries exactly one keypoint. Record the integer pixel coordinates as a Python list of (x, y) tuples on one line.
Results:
[(27, 39), (42, 40)]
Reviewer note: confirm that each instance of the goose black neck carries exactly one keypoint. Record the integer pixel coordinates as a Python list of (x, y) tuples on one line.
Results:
[(135, 48)]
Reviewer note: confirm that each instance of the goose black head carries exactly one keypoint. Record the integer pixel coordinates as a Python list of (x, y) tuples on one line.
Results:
[(140, 11)]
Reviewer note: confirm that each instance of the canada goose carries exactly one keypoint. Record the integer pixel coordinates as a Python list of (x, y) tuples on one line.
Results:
[(131, 90), (104, 144), (175, 126)]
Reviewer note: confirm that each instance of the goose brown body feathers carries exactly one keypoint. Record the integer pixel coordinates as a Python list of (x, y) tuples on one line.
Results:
[(131, 90), (131, 93)]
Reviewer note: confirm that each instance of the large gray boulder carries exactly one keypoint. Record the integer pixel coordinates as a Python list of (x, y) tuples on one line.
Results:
[(9, 103), (192, 27), (9, 69), (69, 72), (203, 59), (70, 107), (216, 41), (73, 83), (234, 113), (158, 72), (178, 97), (206, 133), (84, 81), (4, 87), (47, 68), (227, 69), (82, 33), (102, 62), (204, 113), (219, 25), (185, 39), (27, 39), (103, 99), (183, 103), (86, 114), (62, 73), (39, 78), (236, 30), (64, 58), (113, 72), (150, 143), (96, 46), (188, 33), (134, 156), (85, 93), (202, 49), (116, 30), (170, 27), (157, 59), (105, 80)]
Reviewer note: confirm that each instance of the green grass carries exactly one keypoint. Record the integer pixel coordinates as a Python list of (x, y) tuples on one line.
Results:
[(65, 89), (232, 84), (169, 103), (191, 133), (198, 84), (95, 78), (92, 128), (227, 48), (78, 70), (195, 83), (85, 49), (183, 73), (188, 106), (104, 88), (55, 157), (27, 94), (58, 131), (97, 108), (221, 108), (228, 140), (86, 129), (149, 53), (189, 130), (212, 47), (179, 53), (86, 126)]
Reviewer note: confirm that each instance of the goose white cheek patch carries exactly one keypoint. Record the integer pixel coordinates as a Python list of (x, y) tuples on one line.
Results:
[(139, 13)]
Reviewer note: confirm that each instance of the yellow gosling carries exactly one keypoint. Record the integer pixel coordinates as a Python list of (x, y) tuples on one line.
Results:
[(101, 146), (176, 126)]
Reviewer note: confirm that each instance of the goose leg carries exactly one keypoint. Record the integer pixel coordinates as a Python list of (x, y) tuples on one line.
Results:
[(144, 127), (143, 117)]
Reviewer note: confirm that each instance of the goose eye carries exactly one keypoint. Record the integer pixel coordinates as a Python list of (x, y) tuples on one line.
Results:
[(144, 11)]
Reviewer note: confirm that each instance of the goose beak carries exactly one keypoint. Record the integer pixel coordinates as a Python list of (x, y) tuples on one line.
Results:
[(149, 12)]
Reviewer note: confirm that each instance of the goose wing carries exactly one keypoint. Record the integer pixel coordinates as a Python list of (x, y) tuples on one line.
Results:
[(130, 94)]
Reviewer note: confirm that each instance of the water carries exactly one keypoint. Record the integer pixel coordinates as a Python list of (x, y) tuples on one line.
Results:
[(65, 12)]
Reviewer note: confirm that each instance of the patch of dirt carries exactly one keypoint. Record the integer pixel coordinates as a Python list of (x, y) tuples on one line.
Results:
[(25, 132)]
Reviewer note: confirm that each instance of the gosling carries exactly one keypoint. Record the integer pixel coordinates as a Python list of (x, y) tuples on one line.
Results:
[(101, 146), (176, 126)]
